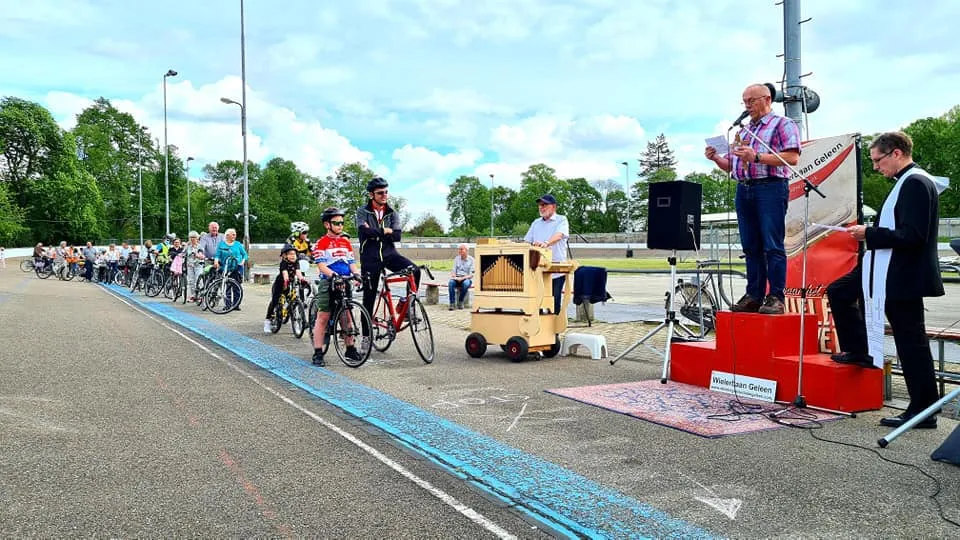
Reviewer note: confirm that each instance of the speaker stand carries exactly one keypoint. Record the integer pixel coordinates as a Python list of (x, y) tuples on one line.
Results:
[(669, 322)]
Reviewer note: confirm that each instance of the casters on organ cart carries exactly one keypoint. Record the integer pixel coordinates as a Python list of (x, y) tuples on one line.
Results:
[(513, 306)]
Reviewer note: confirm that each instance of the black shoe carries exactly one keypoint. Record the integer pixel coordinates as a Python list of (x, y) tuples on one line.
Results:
[(352, 353), (236, 308), (746, 304), (318, 358), (451, 308), (929, 422), (854, 359)]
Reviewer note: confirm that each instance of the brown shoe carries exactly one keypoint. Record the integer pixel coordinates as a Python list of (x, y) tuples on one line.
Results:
[(747, 304), (772, 306)]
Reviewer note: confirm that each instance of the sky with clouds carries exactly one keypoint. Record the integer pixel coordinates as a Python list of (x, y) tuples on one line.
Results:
[(423, 91)]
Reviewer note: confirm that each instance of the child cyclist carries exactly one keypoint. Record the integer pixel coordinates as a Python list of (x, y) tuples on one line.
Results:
[(288, 270), (334, 256)]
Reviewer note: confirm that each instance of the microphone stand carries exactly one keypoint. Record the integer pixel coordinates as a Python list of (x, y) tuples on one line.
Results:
[(799, 402)]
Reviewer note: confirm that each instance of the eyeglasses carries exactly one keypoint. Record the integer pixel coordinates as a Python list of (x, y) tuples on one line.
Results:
[(750, 101), (340, 223), (381, 192), (876, 161)]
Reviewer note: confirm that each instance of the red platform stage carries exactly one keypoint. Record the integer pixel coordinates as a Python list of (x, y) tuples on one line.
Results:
[(768, 347)]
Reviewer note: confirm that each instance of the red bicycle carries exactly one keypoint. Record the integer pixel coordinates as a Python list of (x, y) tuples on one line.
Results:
[(390, 319)]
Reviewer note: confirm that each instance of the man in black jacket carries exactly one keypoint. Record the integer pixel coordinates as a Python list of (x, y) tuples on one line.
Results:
[(378, 227), (902, 257)]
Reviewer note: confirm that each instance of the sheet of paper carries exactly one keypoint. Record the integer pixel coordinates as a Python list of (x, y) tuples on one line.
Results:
[(719, 143), (829, 227)]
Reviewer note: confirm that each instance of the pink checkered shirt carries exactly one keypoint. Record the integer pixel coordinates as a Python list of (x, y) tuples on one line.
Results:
[(779, 133)]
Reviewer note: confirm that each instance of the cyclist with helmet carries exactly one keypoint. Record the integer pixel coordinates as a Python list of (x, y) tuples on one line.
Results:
[(298, 239), (378, 227), (334, 256), (288, 271)]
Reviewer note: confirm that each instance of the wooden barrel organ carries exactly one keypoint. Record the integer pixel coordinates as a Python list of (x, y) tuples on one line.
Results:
[(513, 300)]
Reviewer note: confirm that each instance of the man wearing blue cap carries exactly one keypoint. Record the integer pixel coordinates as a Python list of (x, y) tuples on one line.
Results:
[(551, 230)]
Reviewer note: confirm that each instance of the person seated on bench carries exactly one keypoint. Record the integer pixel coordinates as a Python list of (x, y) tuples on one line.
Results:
[(460, 278)]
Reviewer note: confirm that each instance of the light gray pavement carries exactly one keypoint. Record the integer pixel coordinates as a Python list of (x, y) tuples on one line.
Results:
[(134, 437)]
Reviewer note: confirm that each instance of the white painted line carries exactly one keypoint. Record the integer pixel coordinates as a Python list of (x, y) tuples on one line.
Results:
[(447, 499), (517, 419)]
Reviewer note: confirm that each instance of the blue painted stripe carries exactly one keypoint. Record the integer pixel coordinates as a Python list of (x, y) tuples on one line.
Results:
[(551, 493)]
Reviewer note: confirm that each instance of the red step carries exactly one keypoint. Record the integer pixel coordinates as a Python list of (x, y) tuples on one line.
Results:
[(768, 347)]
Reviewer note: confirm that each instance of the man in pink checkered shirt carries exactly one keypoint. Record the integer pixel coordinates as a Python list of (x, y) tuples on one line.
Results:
[(762, 196)]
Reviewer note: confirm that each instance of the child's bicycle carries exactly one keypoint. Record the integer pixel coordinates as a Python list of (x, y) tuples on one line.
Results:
[(289, 308), (389, 319), (348, 318)]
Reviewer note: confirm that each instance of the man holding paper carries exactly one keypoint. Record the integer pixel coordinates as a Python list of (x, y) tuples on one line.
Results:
[(900, 268), (762, 196)]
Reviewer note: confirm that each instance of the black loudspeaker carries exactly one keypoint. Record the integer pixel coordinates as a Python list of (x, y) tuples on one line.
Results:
[(673, 220)]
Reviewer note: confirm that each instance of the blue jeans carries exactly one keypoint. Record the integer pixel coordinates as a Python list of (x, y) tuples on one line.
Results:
[(458, 290), (761, 215)]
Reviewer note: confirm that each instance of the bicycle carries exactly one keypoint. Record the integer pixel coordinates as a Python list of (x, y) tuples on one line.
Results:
[(27, 265), (699, 299), (289, 308), (204, 269), (389, 319), (175, 286), (344, 311), (44, 269), (223, 292)]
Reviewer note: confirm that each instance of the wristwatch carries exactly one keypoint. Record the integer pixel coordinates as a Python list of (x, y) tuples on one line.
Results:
[(756, 157)]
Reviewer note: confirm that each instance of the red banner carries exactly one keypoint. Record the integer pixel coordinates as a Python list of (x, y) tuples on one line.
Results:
[(831, 165)]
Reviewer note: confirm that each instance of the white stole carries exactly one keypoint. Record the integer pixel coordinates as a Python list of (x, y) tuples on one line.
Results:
[(877, 263)]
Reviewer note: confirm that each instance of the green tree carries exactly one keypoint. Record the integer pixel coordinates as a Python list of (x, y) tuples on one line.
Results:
[(616, 212), (583, 204), (718, 191), (658, 155), (504, 211), (534, 183), (469, 205), (108, 149), (427, 226), (936, 145), (11, 218), (31, 143)]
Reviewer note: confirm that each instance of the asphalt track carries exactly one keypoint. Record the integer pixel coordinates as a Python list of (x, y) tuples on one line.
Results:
[(126, 417)]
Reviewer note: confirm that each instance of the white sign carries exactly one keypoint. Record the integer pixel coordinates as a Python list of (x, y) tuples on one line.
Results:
[(743, 386)]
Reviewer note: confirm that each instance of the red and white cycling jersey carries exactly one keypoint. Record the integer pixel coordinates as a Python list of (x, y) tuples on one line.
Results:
[(335, 252)]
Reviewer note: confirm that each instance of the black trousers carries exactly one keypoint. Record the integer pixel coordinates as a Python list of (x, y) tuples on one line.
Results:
[(371, 268), (913, 349), (846, 304), (558, 293)]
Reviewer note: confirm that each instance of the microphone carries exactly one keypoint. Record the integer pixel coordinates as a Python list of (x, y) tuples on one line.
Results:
[(739, 120)]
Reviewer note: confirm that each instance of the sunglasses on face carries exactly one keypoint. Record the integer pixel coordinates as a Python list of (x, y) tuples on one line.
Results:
[(340, 223), (381, 192)]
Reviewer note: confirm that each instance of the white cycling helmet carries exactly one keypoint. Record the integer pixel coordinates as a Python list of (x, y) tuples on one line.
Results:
[(298, 227)]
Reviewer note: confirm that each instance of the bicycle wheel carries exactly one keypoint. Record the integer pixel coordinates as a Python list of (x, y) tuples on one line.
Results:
[(311, 317), (690, 297), (168, 288), (68, 274), (347, 328), (224, 295), (154, 285), (383, 332), (298, 318), (277, 320), (421, 330), (43, 271), (26, 265), (182, 284), (199, 292)]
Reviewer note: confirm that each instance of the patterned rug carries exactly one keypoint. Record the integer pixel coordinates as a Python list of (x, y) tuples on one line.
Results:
[(688, 408)]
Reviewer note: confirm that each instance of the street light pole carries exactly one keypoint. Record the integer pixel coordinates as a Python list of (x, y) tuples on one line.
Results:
[(491, 205), (243, 127), (166, 148), (626, 186), (140, 179), (189, 222)]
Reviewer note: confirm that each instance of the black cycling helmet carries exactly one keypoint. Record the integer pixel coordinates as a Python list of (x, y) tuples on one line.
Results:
[(330, 213), (286, 248), (376, 184)]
